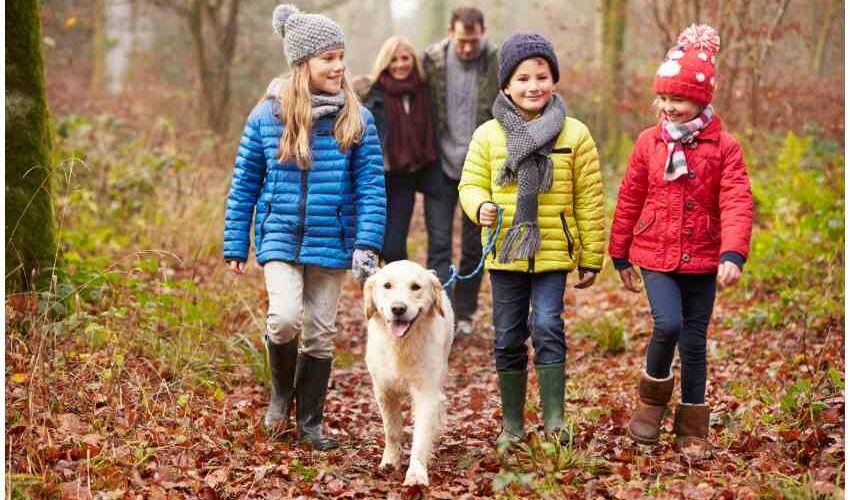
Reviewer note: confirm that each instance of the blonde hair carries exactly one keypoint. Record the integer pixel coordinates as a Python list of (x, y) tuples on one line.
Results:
[(385, 56), (297, 115)]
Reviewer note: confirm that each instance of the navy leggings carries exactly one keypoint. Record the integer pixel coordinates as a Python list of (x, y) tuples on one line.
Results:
[(681, 309)]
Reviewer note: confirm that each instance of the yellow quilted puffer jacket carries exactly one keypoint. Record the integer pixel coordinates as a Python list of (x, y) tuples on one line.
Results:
[(571, 215)]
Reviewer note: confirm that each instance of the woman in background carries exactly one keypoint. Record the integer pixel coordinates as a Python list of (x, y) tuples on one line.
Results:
[(398, 98)]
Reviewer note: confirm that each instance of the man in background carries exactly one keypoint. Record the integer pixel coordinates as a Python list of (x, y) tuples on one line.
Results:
[(462, 76)]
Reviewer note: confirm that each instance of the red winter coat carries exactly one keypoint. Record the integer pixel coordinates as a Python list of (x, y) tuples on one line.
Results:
[(683, 225)]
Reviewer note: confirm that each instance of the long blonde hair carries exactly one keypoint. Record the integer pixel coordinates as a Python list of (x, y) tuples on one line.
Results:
[(297, 110), (385, 56)]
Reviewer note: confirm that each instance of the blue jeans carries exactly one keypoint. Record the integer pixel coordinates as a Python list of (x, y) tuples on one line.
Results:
[(681, 309), (513, 294)]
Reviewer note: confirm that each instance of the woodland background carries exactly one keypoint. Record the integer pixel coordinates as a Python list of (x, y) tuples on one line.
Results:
[(134, 366)]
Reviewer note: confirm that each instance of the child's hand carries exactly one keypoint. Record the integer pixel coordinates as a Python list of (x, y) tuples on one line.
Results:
[(488, 213), (585, 279), (364, 263), (728, 273), (631, 279), (237, 266)]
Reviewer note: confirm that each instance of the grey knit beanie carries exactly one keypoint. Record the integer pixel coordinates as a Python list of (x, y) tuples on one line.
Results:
[(305, 35), (521, 46)]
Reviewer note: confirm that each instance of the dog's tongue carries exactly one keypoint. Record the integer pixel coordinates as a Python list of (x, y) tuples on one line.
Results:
[(400, 327)]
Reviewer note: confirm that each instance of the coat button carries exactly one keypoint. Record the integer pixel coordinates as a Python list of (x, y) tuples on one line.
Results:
[(689, 204), (692, 175), (685, 257), (688, 231)]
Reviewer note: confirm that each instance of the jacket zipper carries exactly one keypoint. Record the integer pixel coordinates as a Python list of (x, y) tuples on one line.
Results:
[(341, 227), (263, 224), (567, 233), (302, 215)]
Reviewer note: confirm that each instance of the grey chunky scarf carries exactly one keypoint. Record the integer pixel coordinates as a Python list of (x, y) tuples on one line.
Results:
[(528, 165), (327, 104)]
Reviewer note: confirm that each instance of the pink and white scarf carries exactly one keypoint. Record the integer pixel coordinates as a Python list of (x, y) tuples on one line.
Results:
[(677, 136)]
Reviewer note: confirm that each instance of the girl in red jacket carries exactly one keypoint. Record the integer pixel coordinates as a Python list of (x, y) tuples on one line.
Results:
[(684, 216)]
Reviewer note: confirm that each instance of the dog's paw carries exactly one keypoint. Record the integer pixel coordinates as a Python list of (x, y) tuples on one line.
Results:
[(416, 474), (391, 459)]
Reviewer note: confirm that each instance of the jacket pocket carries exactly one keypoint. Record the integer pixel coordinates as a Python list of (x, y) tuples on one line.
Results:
[(263, 225), (566, 228), (713, 227), (644, 223)]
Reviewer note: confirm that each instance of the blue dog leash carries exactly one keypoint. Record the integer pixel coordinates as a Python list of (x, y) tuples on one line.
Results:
[(492, 236)]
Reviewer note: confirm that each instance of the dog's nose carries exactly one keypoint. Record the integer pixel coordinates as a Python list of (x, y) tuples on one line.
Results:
[(398, 308)]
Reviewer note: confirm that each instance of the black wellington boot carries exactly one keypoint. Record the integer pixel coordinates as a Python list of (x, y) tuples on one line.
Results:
[(282, 360), (311, 387)]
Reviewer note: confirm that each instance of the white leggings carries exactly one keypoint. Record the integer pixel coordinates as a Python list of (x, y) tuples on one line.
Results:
[(303, 299)]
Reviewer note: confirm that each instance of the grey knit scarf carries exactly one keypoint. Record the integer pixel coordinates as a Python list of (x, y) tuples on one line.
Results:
[(327, 104), (528, 165)]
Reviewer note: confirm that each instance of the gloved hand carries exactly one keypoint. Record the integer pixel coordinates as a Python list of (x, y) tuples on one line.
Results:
[(364, 263)]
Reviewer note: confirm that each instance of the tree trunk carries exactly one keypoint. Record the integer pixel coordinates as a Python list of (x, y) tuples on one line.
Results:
[(31, 244), (613, 37), (822, 36), (99, 42), (437, 21)]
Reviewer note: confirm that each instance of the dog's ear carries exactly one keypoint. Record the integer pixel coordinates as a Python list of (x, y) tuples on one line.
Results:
[(437, 292), (369, 308)]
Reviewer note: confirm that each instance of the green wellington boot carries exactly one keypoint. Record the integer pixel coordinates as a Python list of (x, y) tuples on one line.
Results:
[(512, 386), (551, 379)]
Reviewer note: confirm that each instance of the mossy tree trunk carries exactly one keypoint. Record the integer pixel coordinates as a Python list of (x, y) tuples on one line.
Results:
[(31, 243), (613, 43)]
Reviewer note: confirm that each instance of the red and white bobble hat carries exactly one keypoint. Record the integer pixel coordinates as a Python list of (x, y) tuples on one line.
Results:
[(688, 69)]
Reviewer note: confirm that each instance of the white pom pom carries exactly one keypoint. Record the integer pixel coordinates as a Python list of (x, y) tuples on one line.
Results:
[(281, 14), (700, 77), (702, 37)]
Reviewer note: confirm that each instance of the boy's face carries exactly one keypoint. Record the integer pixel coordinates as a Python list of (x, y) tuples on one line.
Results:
[(466, 40), (326, 71), (678, 109), (531, 86)]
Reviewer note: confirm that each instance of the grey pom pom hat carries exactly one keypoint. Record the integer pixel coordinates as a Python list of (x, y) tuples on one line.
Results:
[(305, 35)]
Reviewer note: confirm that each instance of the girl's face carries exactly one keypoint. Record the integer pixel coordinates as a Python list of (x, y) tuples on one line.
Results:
[(678, 109), (326, 71), (531, 86), (401, 64)]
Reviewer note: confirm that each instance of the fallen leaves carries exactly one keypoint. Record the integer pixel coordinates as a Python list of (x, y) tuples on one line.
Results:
[(147, 431)]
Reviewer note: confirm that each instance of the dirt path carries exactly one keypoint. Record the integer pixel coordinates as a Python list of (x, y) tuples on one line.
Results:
[(84, 422)]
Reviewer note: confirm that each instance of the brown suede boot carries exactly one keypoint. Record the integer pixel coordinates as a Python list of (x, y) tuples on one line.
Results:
[(691, 427), (653, 394)]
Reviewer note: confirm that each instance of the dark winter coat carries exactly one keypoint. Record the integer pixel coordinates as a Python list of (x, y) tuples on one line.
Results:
[(434, 65)]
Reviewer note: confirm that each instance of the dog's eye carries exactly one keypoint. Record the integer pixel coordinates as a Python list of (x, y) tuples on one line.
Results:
[(388, 285), (415, 287)]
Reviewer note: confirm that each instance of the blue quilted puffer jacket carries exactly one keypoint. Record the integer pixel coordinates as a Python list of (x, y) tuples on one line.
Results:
[(315, 216)]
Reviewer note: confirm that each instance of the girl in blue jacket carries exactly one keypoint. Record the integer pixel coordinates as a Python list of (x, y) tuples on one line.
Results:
[(309, 174)]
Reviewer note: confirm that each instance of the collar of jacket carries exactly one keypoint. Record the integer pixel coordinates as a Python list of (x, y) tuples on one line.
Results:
[(438, 53), (710, 133)]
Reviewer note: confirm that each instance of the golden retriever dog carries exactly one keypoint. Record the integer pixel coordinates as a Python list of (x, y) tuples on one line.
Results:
[(410, 333)]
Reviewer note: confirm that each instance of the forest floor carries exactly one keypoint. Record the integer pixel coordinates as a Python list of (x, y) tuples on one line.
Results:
[(92, 419)]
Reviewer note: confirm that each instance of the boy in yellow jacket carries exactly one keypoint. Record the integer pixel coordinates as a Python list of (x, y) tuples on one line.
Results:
[(541, 168)]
